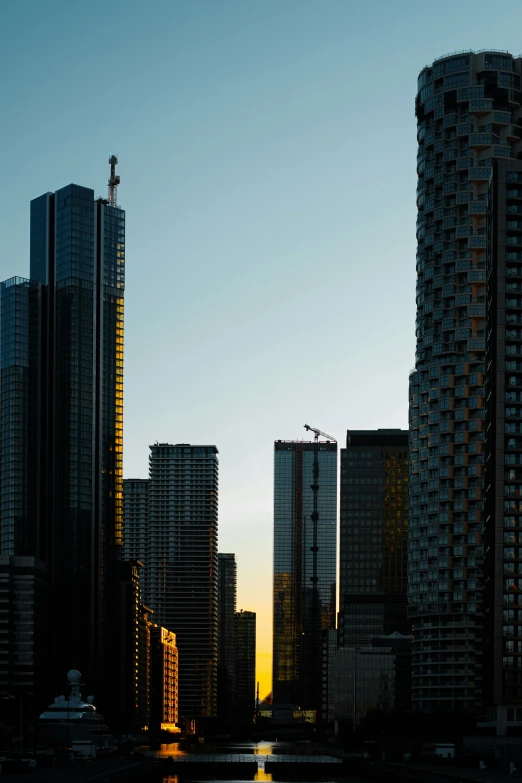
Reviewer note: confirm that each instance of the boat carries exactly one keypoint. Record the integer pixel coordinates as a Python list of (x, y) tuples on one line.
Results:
[(71, 720)]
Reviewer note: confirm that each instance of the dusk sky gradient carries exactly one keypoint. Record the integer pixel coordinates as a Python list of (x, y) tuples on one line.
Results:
[(267, 158)]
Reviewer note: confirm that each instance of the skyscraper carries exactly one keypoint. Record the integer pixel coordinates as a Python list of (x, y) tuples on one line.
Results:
[(22, 481), (183, 567), (305, 533), (503, 449), (374, 532), (62, 418), (466, 109), (78, 255), (136, 541), (226, 682), (245, 653)]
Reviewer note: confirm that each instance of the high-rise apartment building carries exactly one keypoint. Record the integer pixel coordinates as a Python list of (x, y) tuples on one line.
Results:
[(304, 597), (136, 543), (136, 519), (467, 110), (62, 420), (245, 677), (503, 449), (183, 565), (374, 535), (226, 673)]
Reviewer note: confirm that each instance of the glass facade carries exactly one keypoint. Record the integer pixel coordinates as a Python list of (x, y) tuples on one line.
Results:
[(22, 529), (227, 580), (245, 653), (467, 108), (305, 565), (61, 446), (374, 530)]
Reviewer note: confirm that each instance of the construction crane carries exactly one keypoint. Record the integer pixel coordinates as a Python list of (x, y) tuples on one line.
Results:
[(316, 614), (114, 181), (318, 434)]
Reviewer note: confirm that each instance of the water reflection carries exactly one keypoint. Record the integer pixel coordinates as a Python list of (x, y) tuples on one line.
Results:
[(261, 748), (172, 749), (260, 775), (248, 751)]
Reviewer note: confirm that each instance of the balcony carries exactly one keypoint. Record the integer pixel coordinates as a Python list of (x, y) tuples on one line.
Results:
[(502, 117), (476, 242), (481, 105), (480, 173), (480, 140), (477, 208)]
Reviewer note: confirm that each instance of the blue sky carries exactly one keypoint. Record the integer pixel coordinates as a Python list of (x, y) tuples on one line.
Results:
[(267, 157)]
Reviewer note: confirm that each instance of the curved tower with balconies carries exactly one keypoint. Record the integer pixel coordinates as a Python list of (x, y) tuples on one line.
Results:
[(468, 108)]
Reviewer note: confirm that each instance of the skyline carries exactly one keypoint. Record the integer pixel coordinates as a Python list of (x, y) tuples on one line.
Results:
[(256, 192)]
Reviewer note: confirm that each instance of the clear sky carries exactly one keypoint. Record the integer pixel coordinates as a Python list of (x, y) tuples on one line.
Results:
[(267, 159)]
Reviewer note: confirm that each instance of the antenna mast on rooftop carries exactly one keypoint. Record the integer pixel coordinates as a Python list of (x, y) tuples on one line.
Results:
[(114, 181)]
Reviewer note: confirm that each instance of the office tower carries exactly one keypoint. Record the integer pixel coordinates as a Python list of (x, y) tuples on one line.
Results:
[(226, 672), (467, 108), (305, 532), (374, 531), (22, 338), (503, 449), (164, 680), (24, 614), (330, 647), (183, 515), (245, 685), (77, 255)]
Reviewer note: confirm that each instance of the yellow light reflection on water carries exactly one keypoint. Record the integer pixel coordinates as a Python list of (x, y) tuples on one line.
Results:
[(262, 775)]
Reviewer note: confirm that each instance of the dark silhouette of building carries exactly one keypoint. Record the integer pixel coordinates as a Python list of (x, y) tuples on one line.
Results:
[(503, 452), (136, 540), (23, 632), (245, 685), (226, 672), (305, 534), (130, 679), (371, 683), (77, 255), (62, 424), (183, 565), (144, 653), (467, 107), (374, 535)]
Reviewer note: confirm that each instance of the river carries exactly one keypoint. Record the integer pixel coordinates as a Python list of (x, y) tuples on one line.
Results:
[(246, 751)]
